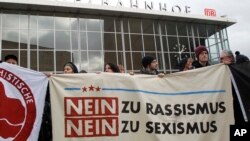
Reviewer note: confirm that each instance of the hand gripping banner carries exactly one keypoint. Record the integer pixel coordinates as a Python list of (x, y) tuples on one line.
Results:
[(193, 106), (22, 94)]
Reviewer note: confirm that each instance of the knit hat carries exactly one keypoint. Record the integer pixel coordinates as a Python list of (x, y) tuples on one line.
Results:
[(147, 60), (199, 49), (72, 65)]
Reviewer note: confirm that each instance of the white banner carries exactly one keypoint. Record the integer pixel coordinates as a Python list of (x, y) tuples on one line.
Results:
[(193, 106), (22, 95)]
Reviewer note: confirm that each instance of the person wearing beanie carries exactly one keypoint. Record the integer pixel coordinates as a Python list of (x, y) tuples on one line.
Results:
[(70, 67), (201, 53), (240, 58), (150, 65)]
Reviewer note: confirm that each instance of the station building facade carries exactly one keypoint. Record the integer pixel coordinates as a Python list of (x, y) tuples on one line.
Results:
[(45, 34)]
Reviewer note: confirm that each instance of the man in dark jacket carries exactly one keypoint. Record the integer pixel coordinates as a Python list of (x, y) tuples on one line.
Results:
[(150, 65), (201, 53)]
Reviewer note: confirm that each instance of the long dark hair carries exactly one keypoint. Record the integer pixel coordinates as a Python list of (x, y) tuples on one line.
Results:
[(72, 65), (113, 67)]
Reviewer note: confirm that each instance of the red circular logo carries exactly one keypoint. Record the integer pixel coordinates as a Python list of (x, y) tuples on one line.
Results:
[(16, 120)]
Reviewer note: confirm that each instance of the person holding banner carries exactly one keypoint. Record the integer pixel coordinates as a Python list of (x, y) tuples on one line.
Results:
[(11, 59), (112, 68), (240, 99), (186, 64), (201, 53), (227, 57), (150, 65), (70, 67)]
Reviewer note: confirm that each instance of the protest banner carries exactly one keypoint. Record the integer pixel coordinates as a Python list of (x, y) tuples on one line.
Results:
[(193, 106), (22, 94)]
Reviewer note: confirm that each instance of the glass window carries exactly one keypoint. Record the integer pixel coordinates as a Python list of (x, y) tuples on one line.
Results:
[(83, 24), (182, 30), (46, 39), (33, 22), (184, 44), (125, 25), (197, 42), (195, 29), (83, 41), (62, 40), (156, 27), (213, 49), (135, 25), (147, 26), (174, 58), (153, 54), (171, 28), (46, 63), (173, 44), (62, 57), (10, 20), (211, 31), (119, 42), (224, 33), (74, 23), (76, 59), (128, 61), (158, 43), (33, 39), (62, 23), (163, 28), (93, 25), (10, 39), (23, 58), (126, 40), (33, 60), (95, 61), (192, 45), (166, 57), (84, 61), (74, 40), (45, 22), (24, 21), (203, 41), (109, 41), (109, 24), (189, 28), (149, 42), (165, 43), (118, 25), (136, 42), (160, 62), (185, 55), (94, 41), (137, 57), (23, 39), (110, 57), (120, 59), (202, 30)]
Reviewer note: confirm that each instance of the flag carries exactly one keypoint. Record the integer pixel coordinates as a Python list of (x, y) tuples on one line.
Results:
[(22, 95)]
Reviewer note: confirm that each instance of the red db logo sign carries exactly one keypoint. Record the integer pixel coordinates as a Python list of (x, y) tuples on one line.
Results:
[(16, 118), (210, 12)]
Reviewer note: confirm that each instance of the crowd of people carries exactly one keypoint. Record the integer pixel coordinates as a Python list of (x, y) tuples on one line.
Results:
[(149, 67)]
